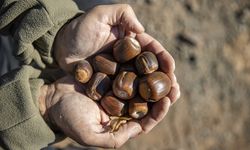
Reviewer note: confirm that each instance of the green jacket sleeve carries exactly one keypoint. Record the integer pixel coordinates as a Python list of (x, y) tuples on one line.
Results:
[(22, 126), (33, 24)]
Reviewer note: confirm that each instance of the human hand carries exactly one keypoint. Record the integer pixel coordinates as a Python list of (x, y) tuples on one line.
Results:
[(84, 120), (76, 115), (94, 32), (167, 65), (81, 118)]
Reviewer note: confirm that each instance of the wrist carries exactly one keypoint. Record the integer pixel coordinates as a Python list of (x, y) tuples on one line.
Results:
[(42, 101), (59, 50), (45, 100)]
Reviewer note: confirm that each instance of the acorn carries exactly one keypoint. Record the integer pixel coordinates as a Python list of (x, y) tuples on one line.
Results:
[(105, 63), (126, 49), (138, 108), (112, 105), (146, 63), (125, 85), (98, 85), (154, 86), (83, 71)]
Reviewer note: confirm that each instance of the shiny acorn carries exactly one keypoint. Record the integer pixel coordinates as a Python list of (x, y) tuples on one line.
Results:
[(154, 86), (138, 108), (146, 63), (83, 71), (125, 85), (126, 49), (98, 85), (105, 63), (112, 105)]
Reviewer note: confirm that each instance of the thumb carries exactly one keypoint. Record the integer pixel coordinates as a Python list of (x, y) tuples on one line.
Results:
[(128, 19), (120, 14)]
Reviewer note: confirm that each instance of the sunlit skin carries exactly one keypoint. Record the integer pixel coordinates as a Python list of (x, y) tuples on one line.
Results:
[(64, 103), (94, 32)]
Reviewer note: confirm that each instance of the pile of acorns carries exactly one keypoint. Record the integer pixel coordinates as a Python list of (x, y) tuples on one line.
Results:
[(124, 83)]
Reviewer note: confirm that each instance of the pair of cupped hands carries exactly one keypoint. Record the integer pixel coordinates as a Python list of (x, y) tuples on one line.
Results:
[(63, 103)]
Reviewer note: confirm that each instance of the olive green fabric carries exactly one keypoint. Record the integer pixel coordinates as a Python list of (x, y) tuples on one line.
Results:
[(33, 24), (22, 126)]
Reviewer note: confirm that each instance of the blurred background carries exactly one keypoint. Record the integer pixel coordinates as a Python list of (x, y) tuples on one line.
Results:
[(210, 42)]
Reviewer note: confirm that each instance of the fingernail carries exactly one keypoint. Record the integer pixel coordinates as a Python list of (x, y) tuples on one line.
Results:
[(175, 78), (179, 95)]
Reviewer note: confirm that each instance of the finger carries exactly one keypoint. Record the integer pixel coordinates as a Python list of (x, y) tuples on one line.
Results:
[(104, 117), (116, 139), (174, 93), (120, 14), (131, 34), (172, 77), (158, 112), (166, 61), (128, 19)]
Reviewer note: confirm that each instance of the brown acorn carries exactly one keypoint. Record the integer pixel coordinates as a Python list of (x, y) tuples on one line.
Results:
[(154, 86), (125, 85), (105, 63), (126, 49), (112, 105), (138, 108), (83, 71), (146, 63), (98, 85)]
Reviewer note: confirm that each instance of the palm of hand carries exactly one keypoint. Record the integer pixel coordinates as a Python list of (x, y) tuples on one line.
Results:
[(82, 119), (75, 114)]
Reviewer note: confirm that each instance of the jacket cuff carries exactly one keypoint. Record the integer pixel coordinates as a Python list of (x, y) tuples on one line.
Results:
[(21, 123), (59, 13), (34, 25)]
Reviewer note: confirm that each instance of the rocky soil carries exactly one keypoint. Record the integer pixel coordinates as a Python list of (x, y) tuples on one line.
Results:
[(210, 41)]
